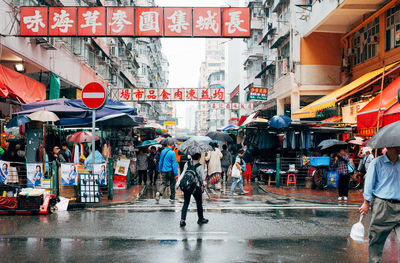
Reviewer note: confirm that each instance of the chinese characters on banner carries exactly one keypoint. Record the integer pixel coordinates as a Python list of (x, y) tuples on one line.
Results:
[(183, 94), (231, 106), (135, 21)]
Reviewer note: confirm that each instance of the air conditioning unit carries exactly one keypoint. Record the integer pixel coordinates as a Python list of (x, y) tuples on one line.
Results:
[(98, 53), (87, 40)]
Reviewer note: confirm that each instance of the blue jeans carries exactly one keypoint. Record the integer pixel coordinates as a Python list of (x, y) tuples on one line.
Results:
[(235, 182)]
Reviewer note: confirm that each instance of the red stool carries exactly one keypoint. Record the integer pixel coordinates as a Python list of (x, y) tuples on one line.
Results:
[(270, 179), (291, 179)]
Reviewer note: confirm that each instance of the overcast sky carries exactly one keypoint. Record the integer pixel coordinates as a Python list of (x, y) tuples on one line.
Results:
[(185, 55)]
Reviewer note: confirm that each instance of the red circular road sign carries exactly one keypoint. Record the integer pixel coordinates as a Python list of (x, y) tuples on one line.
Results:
[(94, 95)]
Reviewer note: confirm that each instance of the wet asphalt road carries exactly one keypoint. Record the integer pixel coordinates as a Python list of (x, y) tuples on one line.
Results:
[(240, 230)]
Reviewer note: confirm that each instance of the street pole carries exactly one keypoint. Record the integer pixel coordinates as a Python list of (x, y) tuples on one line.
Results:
[(93, 138)]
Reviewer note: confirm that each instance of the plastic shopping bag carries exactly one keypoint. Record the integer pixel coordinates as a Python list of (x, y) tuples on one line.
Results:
[(333, 179), (357, 231)]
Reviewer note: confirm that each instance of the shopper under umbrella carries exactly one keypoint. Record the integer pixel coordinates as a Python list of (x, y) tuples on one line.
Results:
[(280, 121), (81, 137), (387, 137), (147, 143), (219, 136)]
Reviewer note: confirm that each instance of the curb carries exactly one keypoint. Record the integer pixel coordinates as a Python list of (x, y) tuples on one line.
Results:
[(302, 200), (78, 206)]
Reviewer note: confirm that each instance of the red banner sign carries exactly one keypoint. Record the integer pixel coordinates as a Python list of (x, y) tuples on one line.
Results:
[(183, 94), (135, 21)]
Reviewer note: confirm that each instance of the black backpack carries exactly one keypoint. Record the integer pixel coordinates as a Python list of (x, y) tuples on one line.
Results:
[(190, 178)]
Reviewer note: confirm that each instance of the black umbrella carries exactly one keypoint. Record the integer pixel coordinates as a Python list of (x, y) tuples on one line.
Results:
[(182, 138), (191, 147), (388, 136), (219, 136), (333, 146)]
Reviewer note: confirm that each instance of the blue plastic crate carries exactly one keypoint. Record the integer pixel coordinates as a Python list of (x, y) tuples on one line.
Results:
[(319, 161)]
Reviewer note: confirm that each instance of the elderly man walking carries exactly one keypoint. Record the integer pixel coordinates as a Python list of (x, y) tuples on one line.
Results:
[(382, 184), (168, 167)]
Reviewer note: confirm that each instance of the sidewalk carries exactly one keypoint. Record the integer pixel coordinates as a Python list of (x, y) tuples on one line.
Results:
[(311, 195)]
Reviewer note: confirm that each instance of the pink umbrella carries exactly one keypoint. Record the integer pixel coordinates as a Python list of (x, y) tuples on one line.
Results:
[(81, 137)]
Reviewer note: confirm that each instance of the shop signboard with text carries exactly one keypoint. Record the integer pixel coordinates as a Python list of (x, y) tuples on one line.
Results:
[(180, 94), (231, 106), (135, 21), (258, 93)]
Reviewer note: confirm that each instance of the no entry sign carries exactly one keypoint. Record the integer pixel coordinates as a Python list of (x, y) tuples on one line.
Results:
[(94, 95)]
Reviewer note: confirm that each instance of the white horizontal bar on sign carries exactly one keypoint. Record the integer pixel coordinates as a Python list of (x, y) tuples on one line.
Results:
[(93, 95)]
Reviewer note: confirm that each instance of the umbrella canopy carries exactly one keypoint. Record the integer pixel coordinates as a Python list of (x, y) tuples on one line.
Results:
[(279, 122), (81, 137), (18, 121), (62, 111), (334, 145), (219, 136), (118, 120), (154, 125), (43, 116), (182, 138), (324, 142), (147, 143), (192, 147), (201, 139), (230, 127), (388, 136)]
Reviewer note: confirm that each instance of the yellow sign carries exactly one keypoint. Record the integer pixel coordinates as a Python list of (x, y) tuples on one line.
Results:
[(169, 123), (78, 94)]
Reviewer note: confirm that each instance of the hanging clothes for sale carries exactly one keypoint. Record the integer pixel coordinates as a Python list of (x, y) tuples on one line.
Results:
[(285, 141)]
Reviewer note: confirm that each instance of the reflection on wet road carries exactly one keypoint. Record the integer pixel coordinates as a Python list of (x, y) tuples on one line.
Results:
[(240, 230)]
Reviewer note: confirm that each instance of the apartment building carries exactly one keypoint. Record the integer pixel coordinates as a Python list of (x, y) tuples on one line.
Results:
[(212, 75)]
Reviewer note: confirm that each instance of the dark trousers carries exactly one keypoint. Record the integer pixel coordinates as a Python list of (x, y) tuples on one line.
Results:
[(343, 184), (152, 176), (197, 196), (168, 179), (142, 176)]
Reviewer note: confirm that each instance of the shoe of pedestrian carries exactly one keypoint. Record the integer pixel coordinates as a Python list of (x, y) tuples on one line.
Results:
[(243, 193), (234, 194), (182, 223), (172, 199), (340, 198), (345, 198), (202, 221), (157, 197)]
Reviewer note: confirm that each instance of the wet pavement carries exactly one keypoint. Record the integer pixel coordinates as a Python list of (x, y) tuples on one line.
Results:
[(241, 229)]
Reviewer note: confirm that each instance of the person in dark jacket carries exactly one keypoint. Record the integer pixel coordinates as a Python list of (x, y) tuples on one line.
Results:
[(152, 172), (226, 162)]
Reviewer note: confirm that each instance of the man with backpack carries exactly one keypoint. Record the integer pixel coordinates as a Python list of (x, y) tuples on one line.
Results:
[(168, 167), (191, 183)]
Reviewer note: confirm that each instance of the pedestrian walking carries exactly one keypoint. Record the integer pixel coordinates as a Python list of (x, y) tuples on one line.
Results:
[(214, 169), (152, 161), (341, 166), (366, 158), (241, 166), (169, 169), (192, 177), (66, 153), (382, 184), (226, 162), (248, 159), (142, 166)]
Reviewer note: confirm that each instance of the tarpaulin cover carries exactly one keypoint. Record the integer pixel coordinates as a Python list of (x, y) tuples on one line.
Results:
[(17, 85), (392, 114), (368, 116), (111, 104), (45, 103)]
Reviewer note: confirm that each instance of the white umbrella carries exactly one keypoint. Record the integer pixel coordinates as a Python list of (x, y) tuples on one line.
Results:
[(249, 119), (43, 116)]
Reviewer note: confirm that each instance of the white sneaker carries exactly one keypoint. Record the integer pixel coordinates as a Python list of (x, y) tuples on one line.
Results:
[(157, 197), (345, 198), (340, 198)]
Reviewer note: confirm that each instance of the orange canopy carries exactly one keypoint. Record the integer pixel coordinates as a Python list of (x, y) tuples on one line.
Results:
[(17, 85), (368, 116)]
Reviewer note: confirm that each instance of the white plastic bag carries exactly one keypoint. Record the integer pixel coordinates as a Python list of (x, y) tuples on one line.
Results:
[(235, 172), (357, 231), (63, 204)]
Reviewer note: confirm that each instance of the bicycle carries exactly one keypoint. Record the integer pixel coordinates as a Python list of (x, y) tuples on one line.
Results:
[(319, 175)]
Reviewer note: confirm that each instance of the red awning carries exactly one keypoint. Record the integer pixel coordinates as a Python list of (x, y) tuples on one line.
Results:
[(242, 119), (391, 115), (17, 85), (368, 116)]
